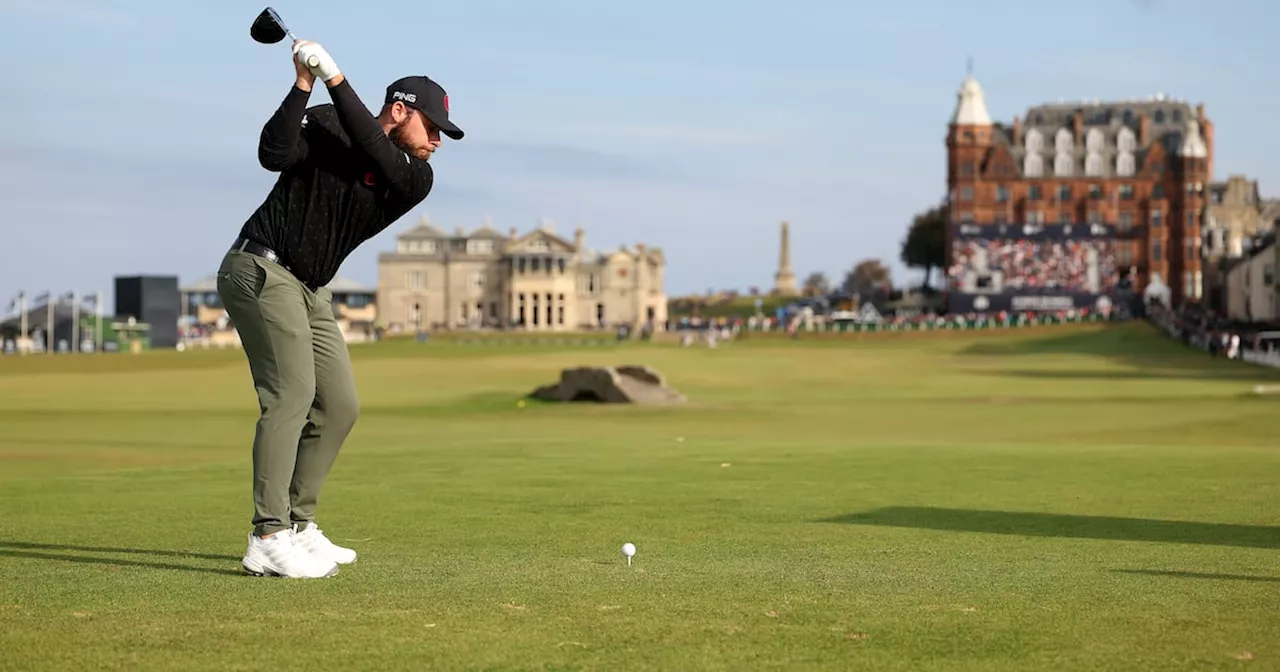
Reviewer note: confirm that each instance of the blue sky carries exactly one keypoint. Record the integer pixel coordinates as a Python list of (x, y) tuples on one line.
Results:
[(697, 126)]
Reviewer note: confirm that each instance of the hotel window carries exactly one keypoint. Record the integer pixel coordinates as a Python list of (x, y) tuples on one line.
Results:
[(1062, 165), (1033, 166), (1126, 166), (1093, 165), (1124, 255)]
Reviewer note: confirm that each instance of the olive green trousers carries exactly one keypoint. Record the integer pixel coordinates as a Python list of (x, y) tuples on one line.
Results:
[(302, 374)]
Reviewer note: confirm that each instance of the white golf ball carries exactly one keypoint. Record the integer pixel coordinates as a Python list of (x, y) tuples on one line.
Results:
[(628, 549)]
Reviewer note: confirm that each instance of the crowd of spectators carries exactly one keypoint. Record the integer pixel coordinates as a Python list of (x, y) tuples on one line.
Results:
[(1065, 265), (1200, 327)]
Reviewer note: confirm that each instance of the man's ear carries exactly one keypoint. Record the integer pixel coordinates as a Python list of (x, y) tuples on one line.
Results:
[(392, 112)]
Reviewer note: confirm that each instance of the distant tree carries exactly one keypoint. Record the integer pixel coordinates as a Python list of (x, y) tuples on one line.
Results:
[(816, 284), (925, 244), (869, 279)]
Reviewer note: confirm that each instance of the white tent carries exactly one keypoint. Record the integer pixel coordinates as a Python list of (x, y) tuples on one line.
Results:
[(868, 313), (1158, 291)]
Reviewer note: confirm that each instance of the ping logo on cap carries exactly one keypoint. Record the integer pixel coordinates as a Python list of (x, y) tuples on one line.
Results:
[(406, 97), (446, 102)]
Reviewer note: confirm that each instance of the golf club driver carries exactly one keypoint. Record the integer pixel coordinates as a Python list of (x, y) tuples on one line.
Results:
[(268, 28)]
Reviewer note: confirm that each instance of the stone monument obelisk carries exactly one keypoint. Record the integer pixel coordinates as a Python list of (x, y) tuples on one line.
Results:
[(784, 281)]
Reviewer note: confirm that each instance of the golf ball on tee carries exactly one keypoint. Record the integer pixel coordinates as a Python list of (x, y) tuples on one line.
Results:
[(628, 549)]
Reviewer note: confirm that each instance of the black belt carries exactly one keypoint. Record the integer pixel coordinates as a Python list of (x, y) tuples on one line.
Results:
[(259, 250)]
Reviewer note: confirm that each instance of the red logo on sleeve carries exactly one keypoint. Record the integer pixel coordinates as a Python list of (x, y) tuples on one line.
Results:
[(369, 180)]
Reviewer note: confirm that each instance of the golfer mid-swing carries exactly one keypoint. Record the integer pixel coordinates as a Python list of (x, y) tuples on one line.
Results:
[(344, 177)]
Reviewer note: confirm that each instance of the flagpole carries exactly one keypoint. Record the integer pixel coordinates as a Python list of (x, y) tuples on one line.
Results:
[(48, 311), (22, 338), (75, 322), (97, 338)]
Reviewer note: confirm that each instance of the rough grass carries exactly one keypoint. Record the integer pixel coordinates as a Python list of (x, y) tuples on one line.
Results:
[(1088, 498)]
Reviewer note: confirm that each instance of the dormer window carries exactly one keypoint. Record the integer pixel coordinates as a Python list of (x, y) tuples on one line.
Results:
[(1062, 165), (1033, 166), (1093, 140), (1093, 165), (1034, 141), (1063, 142), (1125, 165), (1126, 141)]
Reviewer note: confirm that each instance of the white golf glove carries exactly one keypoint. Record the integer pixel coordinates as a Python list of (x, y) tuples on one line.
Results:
[(325, 69)]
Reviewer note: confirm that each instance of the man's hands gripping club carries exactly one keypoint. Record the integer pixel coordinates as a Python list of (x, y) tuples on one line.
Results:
[(306, 53)]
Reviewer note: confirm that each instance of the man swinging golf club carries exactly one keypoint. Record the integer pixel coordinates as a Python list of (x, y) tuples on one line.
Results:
[(345, 175)]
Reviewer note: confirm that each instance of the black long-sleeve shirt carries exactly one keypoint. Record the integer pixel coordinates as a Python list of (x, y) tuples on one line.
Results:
[(342, 181)]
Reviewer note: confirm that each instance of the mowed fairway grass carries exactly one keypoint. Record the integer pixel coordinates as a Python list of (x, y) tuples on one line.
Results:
[(1093, 498)]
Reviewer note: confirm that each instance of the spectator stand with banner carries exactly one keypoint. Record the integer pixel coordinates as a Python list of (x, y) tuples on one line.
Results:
[(1031, 268)]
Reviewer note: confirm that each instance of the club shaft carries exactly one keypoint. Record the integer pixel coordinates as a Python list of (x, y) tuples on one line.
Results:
[(311, 62)]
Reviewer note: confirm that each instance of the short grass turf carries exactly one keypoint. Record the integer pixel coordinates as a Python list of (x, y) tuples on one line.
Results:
[(1079, 498)]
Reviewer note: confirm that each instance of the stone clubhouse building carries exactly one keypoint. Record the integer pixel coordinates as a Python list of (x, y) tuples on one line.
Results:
[(538, 281)]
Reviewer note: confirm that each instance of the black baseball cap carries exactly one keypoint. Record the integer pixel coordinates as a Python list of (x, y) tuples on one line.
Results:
[(427, 97)]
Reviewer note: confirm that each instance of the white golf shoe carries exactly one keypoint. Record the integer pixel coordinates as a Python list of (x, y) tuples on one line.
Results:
[(281, 555), (310, 538)]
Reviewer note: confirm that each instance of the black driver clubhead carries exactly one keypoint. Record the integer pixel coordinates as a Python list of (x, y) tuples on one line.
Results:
[(268, 28)]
